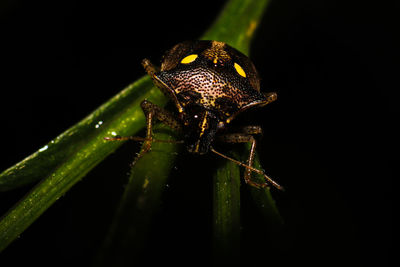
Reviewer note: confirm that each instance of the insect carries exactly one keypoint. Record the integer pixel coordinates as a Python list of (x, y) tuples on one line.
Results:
[(210, 83)]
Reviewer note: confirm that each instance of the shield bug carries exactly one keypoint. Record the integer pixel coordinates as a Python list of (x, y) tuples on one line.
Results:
[(210, 83)]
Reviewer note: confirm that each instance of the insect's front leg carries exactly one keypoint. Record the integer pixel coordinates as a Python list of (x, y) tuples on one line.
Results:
[(152, 113)]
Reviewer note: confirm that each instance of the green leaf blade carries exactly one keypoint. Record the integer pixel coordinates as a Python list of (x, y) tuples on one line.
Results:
[(120, 115), (237, 23), (73, 164)]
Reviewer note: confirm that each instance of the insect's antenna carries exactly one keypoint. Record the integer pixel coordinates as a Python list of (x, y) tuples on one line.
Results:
[(141, 139), (269, 179)]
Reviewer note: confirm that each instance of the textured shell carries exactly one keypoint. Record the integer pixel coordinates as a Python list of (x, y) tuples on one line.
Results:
[(211, 80)]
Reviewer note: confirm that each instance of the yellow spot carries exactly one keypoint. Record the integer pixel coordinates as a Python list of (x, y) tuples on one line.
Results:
[(239, 70), (215, 61), (189, 59)]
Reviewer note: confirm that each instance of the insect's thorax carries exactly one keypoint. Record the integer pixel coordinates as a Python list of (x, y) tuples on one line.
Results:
[(208, 89)]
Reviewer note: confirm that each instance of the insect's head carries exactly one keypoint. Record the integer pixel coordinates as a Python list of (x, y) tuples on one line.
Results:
[(200, 127)]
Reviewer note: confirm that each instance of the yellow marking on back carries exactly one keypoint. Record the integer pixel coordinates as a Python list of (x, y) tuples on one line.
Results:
[(239, 70), (189, 59)]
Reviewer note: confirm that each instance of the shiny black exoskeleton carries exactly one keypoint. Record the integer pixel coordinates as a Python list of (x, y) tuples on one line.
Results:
[(210, 83)]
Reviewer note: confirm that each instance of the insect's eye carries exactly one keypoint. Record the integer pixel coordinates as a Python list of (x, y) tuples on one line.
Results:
[(189, 59), (239, 70)]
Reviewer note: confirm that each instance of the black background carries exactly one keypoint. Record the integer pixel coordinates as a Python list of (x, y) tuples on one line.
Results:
[(328, 139)]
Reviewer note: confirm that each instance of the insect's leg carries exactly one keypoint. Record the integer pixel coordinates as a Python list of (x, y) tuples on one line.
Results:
[(140, 139), (251, 129), (149, 67), (245, 138), (161, 114), (154, 112), (149, 113)]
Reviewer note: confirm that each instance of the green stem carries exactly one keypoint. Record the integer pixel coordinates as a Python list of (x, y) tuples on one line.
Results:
[(238, 31), (263, 198), (139, 202), (237, 23), (226, 214)]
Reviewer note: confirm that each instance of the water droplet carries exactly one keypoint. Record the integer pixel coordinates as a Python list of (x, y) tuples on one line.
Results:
[(44, 148), (98, 124)]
